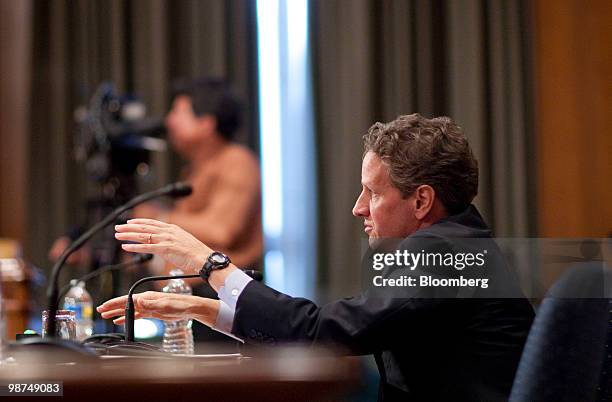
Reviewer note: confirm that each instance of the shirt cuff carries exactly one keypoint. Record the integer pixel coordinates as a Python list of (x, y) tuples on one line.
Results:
[(232, 288), (225, 320)]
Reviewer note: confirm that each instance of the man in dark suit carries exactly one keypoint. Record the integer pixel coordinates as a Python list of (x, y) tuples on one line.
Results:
[(419, 177)]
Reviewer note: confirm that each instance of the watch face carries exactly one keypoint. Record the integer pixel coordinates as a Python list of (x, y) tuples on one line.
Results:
[(218, 258)]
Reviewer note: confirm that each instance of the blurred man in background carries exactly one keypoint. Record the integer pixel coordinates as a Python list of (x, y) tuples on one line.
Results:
[(225, 207)]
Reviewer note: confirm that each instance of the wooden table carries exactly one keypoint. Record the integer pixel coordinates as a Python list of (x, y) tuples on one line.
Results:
[(278, 375)]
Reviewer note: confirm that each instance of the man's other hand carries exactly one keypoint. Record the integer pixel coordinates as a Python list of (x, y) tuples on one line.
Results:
[(163, 306)]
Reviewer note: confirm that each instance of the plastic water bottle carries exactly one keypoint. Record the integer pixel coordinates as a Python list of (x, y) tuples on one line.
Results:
[(178, 337), (79, 300)]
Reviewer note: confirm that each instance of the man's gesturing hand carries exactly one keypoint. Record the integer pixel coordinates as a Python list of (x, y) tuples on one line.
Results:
[(164, 306), (170, 242)]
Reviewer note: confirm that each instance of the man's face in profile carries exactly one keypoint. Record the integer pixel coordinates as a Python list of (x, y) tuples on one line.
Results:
[(386, 214), (185, 129)]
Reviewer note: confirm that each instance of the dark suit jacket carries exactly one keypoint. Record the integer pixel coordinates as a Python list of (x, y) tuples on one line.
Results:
[(426, 348)]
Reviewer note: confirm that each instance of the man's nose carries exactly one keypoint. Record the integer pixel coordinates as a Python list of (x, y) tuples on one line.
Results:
[(361, 206)]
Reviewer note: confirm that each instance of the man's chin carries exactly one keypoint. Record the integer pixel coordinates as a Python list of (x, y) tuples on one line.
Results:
[(374, 241), (384, 244)]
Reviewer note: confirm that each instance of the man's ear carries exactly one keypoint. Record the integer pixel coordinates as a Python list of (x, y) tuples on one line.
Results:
[(424, 200)]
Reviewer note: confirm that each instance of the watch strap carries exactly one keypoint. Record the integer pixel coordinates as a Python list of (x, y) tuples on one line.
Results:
[(211, 265)]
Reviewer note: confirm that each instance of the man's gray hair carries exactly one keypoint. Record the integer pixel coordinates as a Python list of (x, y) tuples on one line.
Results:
[(421, 151)]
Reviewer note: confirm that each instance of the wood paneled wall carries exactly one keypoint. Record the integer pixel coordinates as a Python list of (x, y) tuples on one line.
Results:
[(574, 117), (15, 36)]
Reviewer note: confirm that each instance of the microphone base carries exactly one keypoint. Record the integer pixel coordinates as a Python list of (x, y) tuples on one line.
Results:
[(115, 345), (49, 350)]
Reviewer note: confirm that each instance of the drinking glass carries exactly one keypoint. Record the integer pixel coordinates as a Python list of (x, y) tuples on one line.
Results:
[(65, 326)]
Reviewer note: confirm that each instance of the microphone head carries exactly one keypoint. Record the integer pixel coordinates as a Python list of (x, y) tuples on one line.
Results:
[(144, 258), (180, 189)]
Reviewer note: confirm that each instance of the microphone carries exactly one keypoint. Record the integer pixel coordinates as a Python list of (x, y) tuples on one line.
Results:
[(130, 310), (174, 190), (177, 190), (139, 259)]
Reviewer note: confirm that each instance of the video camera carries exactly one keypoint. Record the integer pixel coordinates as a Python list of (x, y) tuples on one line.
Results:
[(115, 137)]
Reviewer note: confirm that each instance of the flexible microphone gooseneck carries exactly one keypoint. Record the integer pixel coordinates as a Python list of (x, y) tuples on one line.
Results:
[(139, 259), (174, 190), (130, 310)]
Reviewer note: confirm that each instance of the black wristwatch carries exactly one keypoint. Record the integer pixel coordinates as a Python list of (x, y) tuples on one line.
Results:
[(215, 260)]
